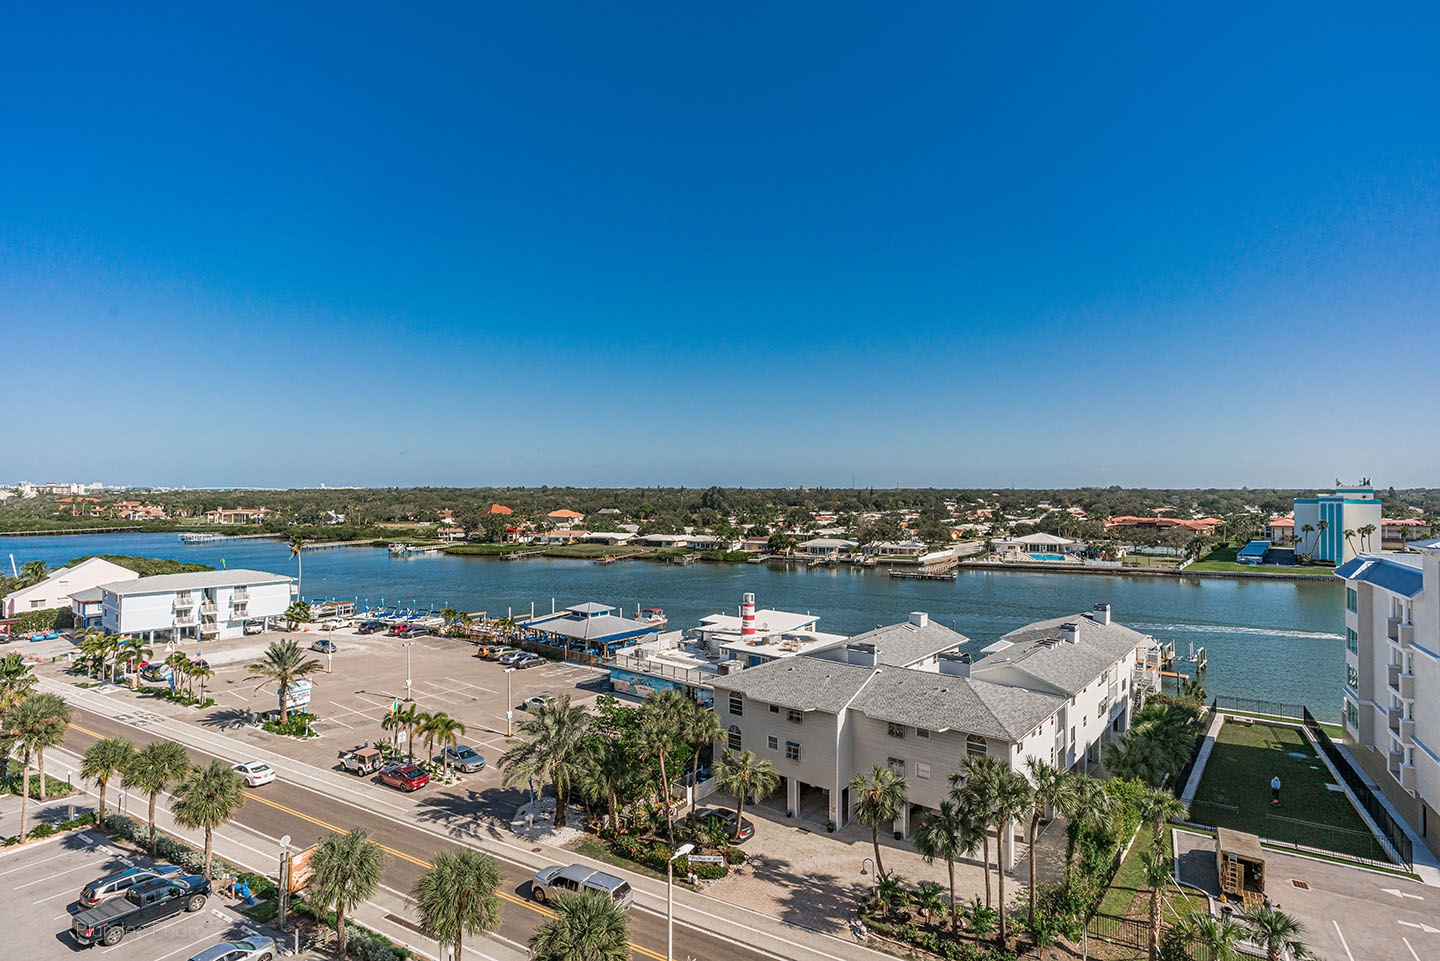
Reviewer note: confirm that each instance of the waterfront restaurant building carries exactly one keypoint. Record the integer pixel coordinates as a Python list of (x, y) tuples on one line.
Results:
[(204, 605), (1054, 690), (1392, 679)]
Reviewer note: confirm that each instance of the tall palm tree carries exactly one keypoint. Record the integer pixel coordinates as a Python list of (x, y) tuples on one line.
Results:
[(702, 728), (394, 722), (30, 727), (748, 778), (56, 712), (1157, 806), (1320, 528), (1155, 873), (1052, 789), (284, 664), (661, 717), (345, 872), (975, 786), (103, 760), (876, 799), (1089, 806), (610, 771), (1307, 530), (1277, 932), (1366, 533), (949, 834), (206, 800), (1011, 802), (155, 767), (17, 680), (200, 672), (136, 652), (457, 897), (587, 927), (445, 730), (297, 551), (552, 748), (180, 665), (296, 614)]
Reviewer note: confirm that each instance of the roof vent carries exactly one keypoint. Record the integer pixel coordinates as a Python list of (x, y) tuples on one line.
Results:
[(1070, 633), (919, 618), (1100, 614)]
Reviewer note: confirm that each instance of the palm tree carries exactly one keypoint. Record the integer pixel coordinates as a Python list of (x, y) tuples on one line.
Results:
[(31, 726), (587, 927), (1155, 872), (33, 572), (748, 778), (1011, 802), (702, 727), (930, 899), (56, 712), (1157, 806), (345, 872), (982, 919), (180, 666), (1089, 806), (1052, 789), (136, 652), (609, 772), (394, 722), (154, 768), (17, 680), (975, 785), (1366, 533), (206, 800), (297, 549), (949, 834), (103, 760), (1307, 530), (661, 716), (1217, 938), (296, 614), (1349, 536), (449, 615), (1277, 932), (444, 729), (457, 897), (552, 747), (201, 672), (877, 799), (1320, 528), (284, 664)]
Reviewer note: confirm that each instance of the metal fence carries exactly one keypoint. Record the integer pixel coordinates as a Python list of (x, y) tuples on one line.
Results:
[(1250, 705), (1202, 723), (1363, 792), (1126, 932)]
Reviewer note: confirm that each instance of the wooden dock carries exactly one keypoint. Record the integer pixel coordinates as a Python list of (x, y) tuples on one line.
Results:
[(948, 574)]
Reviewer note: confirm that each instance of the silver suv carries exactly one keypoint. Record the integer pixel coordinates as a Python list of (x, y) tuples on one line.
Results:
[(555, 880), (103, 889)]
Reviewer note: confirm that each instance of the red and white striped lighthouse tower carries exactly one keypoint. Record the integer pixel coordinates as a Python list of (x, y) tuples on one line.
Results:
[(747, 616)]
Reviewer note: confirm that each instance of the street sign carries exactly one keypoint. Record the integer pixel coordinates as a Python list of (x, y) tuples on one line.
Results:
[(300, 869), (297, 694), (705, 858)]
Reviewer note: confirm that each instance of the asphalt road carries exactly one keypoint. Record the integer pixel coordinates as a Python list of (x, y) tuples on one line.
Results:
[(282, 808)]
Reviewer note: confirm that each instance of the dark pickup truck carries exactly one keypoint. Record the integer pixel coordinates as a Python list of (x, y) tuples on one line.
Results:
[(142, 905)]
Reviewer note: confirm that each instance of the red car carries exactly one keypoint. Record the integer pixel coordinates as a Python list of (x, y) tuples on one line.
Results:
[(407, 777)]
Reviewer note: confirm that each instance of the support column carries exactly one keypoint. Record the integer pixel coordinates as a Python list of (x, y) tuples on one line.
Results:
[(792, 796)]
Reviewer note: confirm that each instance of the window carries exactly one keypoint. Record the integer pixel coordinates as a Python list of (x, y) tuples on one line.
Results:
[(897, 766), (733, 740), (977, 746), (1352, 641), (794, 716), (1352, 676), (1352, 600), (774, 708), (922, 771), (792, 751), (920, 732), (772, 742), (895, 730), (737, 705), (38, 605)]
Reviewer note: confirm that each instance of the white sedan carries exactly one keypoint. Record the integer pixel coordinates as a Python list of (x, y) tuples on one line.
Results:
[(255, 773)]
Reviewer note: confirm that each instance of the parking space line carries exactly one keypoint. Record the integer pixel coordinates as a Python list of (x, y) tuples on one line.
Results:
[(1343, 943), (31, 867), (186, 947), (55, 874), (1412, 950), (150, 931)]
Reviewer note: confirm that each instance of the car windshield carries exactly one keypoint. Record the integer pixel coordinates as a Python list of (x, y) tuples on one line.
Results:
[(259, 768)]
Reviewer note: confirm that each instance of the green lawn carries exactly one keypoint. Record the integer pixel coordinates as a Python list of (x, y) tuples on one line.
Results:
[(1223, 559), (1119, 899), (1235, 792)]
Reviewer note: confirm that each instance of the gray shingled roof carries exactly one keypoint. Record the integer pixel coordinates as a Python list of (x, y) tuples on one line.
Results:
[(904, 644), (197, 581), (1069, 667), (803, 683), (944, 702)]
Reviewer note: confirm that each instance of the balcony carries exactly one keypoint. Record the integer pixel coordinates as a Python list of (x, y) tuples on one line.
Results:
[(240, 594), (184, 599), (1407, 686), (239, 610), (207, 607), (1392, 628), (209, 629), (1407, 730), (1406, 776), (1397, 714), (1395, 760), (1393, 672), (185, 620), (1407, 636)]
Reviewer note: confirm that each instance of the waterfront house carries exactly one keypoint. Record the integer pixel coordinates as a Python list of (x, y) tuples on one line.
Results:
[(1391, 712), (565, 518), (237, 515), (910, 548), (204, 605), (1252, 553), (1343, 509), (1054, 690), (609, 538), (1204, 526), (755, 545), (1280, 531), (563, 535), (1398, 532), (450, 534), (826, 546), (1038, 547), (55, 590)]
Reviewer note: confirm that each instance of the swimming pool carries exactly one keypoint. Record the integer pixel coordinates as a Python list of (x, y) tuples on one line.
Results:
[(1047, 557)]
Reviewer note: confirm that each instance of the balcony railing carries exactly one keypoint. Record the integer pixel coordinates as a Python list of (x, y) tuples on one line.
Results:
[(654, 668), (207, 607), (1397, 714), (1392, 628), (239, 610), (1392, 675), (1395, 759), (1407, 686), (1407, 730), (185, 620), (184, 600), (240, 594), (1407, 776)]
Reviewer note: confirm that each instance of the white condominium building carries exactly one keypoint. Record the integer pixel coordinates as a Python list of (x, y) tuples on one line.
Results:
[(210, 604), (1392, 678)]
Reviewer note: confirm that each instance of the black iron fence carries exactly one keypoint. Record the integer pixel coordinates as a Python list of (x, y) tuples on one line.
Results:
[(1202, 723), (1250, 705), (1126, 932), (1364, 793)]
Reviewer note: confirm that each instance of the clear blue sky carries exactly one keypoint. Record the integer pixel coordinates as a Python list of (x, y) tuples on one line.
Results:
[(804, 244)]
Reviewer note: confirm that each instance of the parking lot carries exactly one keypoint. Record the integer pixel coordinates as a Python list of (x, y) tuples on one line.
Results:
[(42, 882)]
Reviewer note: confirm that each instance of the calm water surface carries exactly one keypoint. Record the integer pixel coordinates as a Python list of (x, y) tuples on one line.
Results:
[(1281, 640)]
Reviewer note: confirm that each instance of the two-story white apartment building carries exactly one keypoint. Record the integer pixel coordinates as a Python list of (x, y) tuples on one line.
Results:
[(908, 699), (209, 604), (55, 590), (1391, 707)]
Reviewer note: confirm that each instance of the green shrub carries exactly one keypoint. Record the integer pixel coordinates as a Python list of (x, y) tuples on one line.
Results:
[(43, 830), (297, 726)]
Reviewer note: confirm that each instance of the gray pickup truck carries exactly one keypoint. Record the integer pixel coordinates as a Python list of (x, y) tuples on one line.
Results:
[(143, 905)]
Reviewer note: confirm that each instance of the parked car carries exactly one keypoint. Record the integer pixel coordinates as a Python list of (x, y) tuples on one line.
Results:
[(462, 758), (362, 760), (199, 662), (370, 627), (254, 627), (251, 949), (513, 655), (332, 624), (325, 646), (538, 701), (529, 660), (406, 777), (143, 905), (555, 879), (255, 773), (409, 630), (499, 651), (727, 817), (103, 889)]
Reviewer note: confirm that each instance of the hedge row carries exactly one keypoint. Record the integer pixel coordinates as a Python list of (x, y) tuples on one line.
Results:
[(49, 619)]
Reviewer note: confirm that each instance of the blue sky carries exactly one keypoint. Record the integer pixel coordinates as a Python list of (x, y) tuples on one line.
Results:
[(800, 244)]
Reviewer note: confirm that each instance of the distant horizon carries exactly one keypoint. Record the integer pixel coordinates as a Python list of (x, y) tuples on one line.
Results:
[(834, 245)]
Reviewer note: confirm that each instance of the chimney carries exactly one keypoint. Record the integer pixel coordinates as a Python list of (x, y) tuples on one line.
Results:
[(747, 616), (1100, 614), (919, 618), (955, 664), (1070, 633)]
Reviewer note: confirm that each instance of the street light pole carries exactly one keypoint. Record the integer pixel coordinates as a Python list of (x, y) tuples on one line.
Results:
[(680, 852), (509, 701), (408, 645)]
